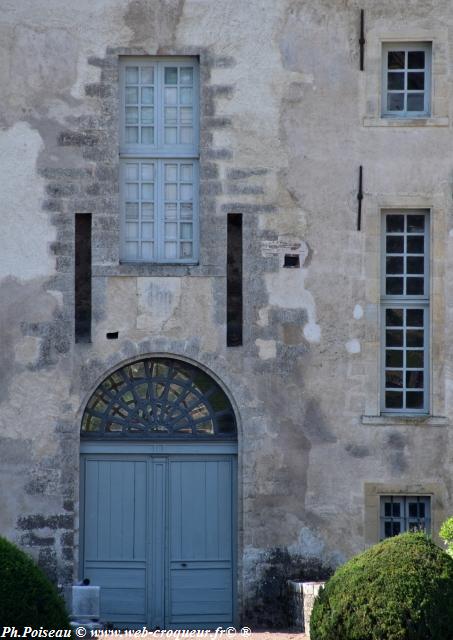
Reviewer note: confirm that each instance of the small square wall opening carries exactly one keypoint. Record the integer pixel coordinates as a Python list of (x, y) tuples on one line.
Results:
[(291, 260)]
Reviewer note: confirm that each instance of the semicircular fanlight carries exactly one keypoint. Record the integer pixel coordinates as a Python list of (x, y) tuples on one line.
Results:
[(159, 398)]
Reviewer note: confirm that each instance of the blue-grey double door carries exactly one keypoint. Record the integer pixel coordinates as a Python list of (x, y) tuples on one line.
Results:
[(158, 539)]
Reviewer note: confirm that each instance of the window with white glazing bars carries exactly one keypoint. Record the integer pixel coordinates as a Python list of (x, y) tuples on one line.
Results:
[(159, 154), (406, 79), (404, 513), (405, 312)]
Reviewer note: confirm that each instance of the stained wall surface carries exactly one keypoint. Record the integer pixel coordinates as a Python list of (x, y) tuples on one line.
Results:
[(286, 120)]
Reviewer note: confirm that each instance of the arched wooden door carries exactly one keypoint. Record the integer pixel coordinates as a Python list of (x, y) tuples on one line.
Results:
[(158, 497)]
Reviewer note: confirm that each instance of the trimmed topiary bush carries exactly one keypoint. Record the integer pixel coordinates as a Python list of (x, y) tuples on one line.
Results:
[(400, 589), (27, 598), (446, 533)]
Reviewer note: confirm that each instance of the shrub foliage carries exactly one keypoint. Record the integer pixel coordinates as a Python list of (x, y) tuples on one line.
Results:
[(400, 589), (27, 598)]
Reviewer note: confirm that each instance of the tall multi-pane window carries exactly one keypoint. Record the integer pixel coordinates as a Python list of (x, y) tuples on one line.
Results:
[(404, 513), (405, 312), (159, 153), (406, 79)]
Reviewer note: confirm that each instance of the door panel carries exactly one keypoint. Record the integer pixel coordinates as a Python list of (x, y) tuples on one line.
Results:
[(200, 542), (158, 539), (115, 533)]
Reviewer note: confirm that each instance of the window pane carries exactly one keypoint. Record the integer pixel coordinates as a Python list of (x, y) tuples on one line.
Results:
[(395, 244), (131, 171), (171, 75), (147, 250), (186, 75), (131, 211), (415, 102), (414, 399), (147, 230), (395, 265), (186, 96), (394, 286), (415, 244), (396, 528), (147, 135), (132, 134), (394, 358), (394, 379), (393, 399), (131, 115), (414, 317), (186, 135), (147, 115), (414, 359), (131, 230), (131, 75), (171, 115), (394, 317), (416, 59), (415, 224), (415, 81), (147, 211), (131, 95), (414, 337), (415, 265), (186, 212), (171, 135), (395, 102), (147, 95), (147, 171), (186, 250), (414, 379), (171, 96), (171, 172), (394, 223), (415, 286), (396, 59), (395, 81), (186, 231), (147, 75), (393, 338)]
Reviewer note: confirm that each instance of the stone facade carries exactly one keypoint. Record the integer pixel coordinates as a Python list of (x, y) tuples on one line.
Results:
[(286, 119)]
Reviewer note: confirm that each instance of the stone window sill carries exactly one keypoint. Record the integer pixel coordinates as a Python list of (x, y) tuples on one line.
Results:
[(389, 420), (137, 269), (434, 121)]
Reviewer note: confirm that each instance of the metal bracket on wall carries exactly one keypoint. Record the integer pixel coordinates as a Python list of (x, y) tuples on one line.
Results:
[(362, 38), (360, 198)]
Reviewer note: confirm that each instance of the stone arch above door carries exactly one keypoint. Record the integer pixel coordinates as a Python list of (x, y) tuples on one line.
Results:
[(159, 398)]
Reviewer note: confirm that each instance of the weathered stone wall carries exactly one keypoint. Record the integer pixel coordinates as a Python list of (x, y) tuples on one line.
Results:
[(286, 120)]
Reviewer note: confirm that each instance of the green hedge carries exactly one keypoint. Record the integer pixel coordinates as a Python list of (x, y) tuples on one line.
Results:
[(400, 589), (27, 598)]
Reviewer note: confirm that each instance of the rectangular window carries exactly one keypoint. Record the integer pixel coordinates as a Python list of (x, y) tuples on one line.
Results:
[(404, 513), (405, 312), (234, 280), (159, 160), (82, 277), (406, 79)]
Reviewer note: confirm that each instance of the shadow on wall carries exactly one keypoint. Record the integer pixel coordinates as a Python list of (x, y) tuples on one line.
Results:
[(269, 606)]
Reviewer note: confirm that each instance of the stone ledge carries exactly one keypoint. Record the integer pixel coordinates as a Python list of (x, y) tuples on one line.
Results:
[(405, 420), (435, 121)]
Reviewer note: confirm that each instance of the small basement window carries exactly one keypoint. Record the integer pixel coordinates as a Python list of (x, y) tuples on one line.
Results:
[(404, 513)]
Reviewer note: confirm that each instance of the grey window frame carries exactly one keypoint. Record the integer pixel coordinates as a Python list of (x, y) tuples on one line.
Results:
[(159, 153), (407, 47), (404, 519), (406, 302)]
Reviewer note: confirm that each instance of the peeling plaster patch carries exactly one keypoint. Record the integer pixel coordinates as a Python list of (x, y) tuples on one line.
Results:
[(158, 299), (286, 289), (21, 195), (267, 349), (27, 351), (309, 544), (312, 332), (353, 346), (263, 317), (358, 312)]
